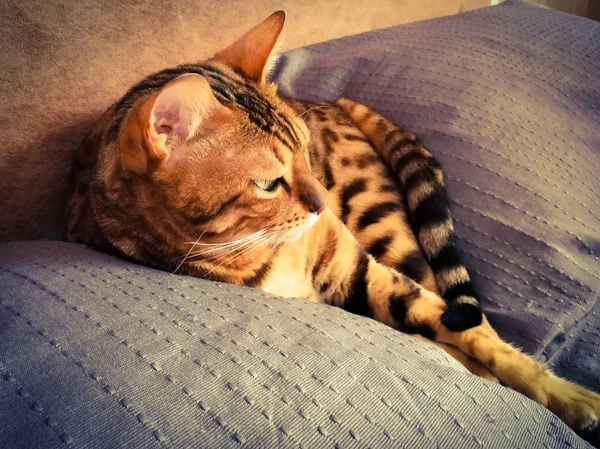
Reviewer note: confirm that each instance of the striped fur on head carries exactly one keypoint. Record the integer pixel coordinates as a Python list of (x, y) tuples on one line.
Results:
[(202, 156)]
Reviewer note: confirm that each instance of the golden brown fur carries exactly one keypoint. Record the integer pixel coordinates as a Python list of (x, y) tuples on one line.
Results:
[(204, 170)]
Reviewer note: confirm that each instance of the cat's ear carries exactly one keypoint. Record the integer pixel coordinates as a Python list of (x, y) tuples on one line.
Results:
[(185, 107), (253, 52)]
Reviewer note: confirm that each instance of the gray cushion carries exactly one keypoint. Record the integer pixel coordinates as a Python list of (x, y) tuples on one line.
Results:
[(507, 99), (98, 352)]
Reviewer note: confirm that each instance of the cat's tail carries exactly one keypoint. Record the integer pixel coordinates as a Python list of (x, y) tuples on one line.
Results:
[(421, 178)]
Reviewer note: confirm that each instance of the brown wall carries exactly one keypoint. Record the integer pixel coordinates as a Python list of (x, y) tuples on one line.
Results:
[(579, 7), (585, 8), (318, 20), (593, 11), (64, 61)]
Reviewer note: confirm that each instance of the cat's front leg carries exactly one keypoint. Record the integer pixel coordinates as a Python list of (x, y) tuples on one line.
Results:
[(576, 406), (346, 276)]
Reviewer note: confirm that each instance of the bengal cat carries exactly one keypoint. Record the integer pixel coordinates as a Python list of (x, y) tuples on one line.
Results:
[(203, 169)]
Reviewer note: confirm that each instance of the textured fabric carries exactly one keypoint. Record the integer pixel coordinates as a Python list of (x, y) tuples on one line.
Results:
[(508, 99), (98, 352)]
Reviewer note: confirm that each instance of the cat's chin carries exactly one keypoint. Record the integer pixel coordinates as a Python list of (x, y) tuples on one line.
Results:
[(293, 238)]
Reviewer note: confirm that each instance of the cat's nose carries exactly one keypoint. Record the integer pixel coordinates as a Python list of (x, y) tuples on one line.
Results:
[(318, 207), (314, 197)]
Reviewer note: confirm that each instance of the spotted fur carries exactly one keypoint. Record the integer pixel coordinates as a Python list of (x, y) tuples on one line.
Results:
[(203, 169)]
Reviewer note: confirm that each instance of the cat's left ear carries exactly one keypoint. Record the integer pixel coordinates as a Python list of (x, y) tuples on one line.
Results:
[(184, 108), (254, 52)]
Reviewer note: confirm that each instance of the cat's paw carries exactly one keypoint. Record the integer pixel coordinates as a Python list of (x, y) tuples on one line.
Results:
[(576, 406)]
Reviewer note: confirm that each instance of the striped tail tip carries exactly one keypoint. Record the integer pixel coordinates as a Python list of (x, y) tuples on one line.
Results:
[(460, 316)]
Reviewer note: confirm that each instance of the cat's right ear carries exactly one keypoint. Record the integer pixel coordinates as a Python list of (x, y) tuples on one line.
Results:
[(184, 108), (253, 53)]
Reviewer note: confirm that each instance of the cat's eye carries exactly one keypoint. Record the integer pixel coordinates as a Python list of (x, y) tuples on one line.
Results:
[(268, 186)]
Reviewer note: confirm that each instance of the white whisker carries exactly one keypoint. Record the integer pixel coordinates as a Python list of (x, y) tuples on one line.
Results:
[(254, 246), (229, 250), (242, 239), (314, 108), (228, 247), (188, 254)]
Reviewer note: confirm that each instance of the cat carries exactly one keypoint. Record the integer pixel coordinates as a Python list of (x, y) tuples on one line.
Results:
[(204, 169)]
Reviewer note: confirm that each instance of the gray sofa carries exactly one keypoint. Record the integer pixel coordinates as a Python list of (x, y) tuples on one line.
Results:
[(102, 353)]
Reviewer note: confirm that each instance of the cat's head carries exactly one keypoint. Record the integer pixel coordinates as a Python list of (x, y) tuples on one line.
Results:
[(212, 154)]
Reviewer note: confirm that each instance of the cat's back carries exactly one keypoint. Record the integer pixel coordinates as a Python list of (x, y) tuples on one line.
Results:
[(337, 147)]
